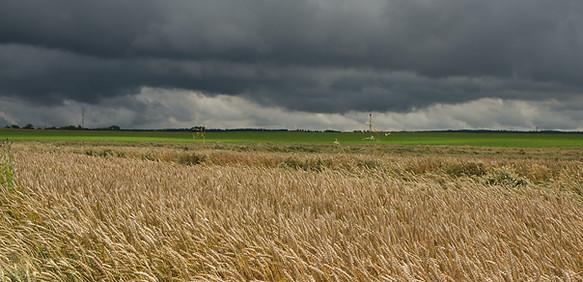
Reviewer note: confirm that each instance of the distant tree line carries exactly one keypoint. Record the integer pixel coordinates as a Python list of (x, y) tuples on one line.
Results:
[(271, 130), (203, 128), (195, 129), (67, 127), (15, 126)]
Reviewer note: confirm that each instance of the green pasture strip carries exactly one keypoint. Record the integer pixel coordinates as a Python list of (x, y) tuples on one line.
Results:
[(93, 136), (509, 140)]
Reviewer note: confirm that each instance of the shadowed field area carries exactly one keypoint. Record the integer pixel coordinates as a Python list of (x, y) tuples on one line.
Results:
[(289, 212)]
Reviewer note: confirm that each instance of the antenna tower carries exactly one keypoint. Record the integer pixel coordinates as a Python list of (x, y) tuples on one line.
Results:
[(82, 116)]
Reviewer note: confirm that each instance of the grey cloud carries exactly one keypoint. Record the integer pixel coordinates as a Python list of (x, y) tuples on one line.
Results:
[(52, 76), (435, 38), (324, 56), (157, 108), (104, 28)]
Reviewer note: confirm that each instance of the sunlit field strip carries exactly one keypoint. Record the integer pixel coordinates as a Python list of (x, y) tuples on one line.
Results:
[(516, 140)]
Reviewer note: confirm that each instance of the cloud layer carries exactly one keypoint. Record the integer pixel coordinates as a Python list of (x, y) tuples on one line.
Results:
[(163, 108), (315, 57)]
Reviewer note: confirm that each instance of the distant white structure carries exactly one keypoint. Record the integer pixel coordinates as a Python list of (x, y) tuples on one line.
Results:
[(372, 129)]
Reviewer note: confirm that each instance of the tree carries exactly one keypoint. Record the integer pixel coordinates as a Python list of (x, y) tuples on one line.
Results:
[(114, 127), (28, 126), (69, 127)]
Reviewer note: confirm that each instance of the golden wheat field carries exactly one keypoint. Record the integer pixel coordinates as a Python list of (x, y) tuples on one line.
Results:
[(161, 213)]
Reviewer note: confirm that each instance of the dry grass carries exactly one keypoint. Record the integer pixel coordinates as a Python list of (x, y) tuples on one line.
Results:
[(86, 213)]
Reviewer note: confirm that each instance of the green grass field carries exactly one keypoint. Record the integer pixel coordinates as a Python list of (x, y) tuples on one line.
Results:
[(508, 140)]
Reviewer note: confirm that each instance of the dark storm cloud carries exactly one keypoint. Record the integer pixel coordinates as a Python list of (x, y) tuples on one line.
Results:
[(318, 56)]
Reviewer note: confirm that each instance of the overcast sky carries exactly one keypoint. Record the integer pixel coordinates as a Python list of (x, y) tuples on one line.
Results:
[(310, 64)]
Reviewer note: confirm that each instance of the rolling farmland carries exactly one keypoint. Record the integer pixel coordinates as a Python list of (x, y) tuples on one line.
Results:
[(231, 209)]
